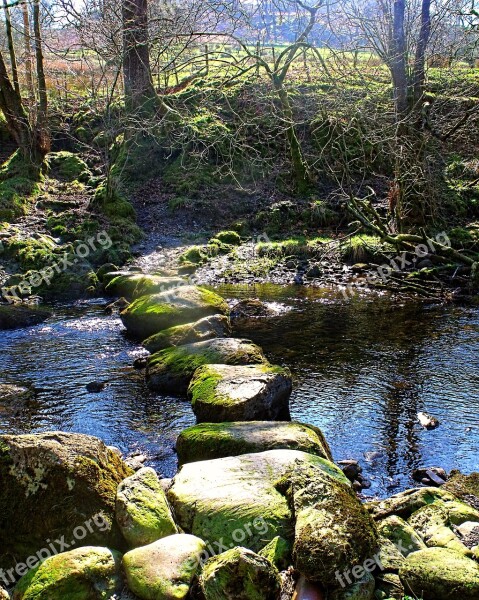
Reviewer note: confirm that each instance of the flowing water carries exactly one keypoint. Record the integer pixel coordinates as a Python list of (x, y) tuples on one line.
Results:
[(363, 369)]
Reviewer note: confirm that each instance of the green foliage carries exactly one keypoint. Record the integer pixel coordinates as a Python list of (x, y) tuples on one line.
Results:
[(228, 237), (364, 248), (298, 246), (68, 166), (19, 185)]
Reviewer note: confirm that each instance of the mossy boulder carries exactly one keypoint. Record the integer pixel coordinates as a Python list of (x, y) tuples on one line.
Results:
[(68, 166), (217, 440), (234, 500), (231, 238), (239, 574), (401, 535), (465, 487), (225, 392), (53, 483), (440, 574), (165, 569), (405, 503), (135, 285), (389, 587), (150, 314), (15, 316), (215, 326), (87, 573), (142, 510), (278, 552), (389, 556), (333, 530), (171, 370)]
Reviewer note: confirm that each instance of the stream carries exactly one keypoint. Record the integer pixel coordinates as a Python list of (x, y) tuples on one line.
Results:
[(362, 368)]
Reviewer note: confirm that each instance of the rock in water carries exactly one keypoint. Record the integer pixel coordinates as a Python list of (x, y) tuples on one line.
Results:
[(56, 485), (440, 574), (165, 569), (142, 510), (151, 314), (14, 316), (221, 393), (171, 370), (88, 573), (207, 328), (239, 574), (218, 440), (427, 421), (134, 285), (11, 393)]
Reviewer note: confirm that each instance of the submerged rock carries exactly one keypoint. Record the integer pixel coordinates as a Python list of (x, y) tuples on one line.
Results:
[(165, 569), (215, 326), (142, 510), (15, 316), (440, 574), (171, 370), (134, 285), (88, 573), (239, 574), (55, 485), (151, 314), (217, 440), (225, 392)]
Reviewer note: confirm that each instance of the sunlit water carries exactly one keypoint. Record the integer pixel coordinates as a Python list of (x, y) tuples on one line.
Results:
[(362, 370)]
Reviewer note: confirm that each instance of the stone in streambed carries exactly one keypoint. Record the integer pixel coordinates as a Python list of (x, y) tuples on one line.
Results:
[(222, 392), (215, 326), (239, 574), (278, 552), (171, 370), (217, 440), (87, 573), (134, 285), (361, 589), (165, 569), (53, 483), (401, 534), (185, 304), (14, 393), (15, 316), (440, 574), (142, 510)]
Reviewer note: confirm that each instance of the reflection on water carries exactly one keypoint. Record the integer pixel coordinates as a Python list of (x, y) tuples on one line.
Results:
[(362, 368), (60, 357)]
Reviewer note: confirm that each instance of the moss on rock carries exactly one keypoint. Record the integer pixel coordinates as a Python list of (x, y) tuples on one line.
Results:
[(465, 487), (217, 440), (165, 569), (215, 326), (440, 574), (239, 574), (171, 370), (235, 392), (53, 483), (401, 534), (142, 510), (88, 573), (150, 314), (14, 316), (134, 285), (278, 552)]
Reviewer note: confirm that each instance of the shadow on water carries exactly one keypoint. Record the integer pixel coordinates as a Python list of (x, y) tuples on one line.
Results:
[(363, 369)]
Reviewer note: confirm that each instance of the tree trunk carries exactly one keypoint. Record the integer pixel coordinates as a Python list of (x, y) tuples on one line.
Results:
[(28, 55), (398, 59), (11, 47), (419, 74), (139, 87), (42, 133)]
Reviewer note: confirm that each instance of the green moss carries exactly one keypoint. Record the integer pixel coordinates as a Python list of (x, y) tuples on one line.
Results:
[(278, 552), (68, 166), (229, 237), (401, 534), (194, 254), (364, 248), (20, 183)]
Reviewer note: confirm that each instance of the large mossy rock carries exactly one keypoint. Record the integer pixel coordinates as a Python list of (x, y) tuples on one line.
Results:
[(171, 370), (234, 500), (405, 503), (135, 285), (207, 441), (239, 574), (15, 316), (207, 328), (227, 392), (150, 314), (465, 487), (142, 510), (165, 569), (440, 574), (87, 573), (52, 483), (333, 530)]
